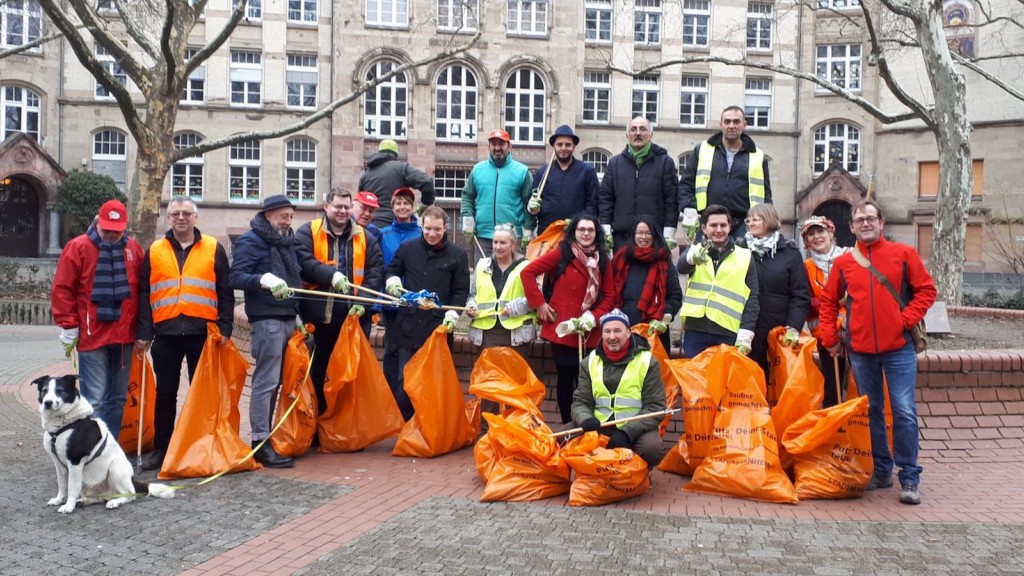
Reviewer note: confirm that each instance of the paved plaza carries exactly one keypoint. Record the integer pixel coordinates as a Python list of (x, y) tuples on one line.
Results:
[(370, 513)]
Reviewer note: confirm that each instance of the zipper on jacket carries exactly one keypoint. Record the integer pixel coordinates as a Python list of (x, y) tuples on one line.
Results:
[(494, 206), (871, 293)]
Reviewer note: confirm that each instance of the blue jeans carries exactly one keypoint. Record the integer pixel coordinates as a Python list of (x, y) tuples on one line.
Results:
[(103, 380), (696, 342), (268, 341), (900, 370)]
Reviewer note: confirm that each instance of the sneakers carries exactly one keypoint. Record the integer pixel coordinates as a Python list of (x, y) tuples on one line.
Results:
[(267, 456), (155, 460), (910, 495), (877, 482)]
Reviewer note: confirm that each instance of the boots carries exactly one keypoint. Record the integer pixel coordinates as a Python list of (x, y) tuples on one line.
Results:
[(155, 460), (269, 458)]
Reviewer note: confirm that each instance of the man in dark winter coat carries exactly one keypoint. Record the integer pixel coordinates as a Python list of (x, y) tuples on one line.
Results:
[(431, 263), (639, 181), (571, 187), (385, 173)]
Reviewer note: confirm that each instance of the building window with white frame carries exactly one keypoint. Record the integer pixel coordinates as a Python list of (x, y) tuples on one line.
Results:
[(450, 180), (300, 170), (385, 108), (253, 10), (390, 13), (528, 17), (110, 155), (21, 22), (839, 64), (187, 173), (246, 75), (525, 106), (696, 22), (302, 11), (301, 79), (647, 22), (458, 15), (244, 172), (597, 97), (598, 159), (20, 109), (838, 4), (645, 98), (108, 63), (837, 142), (598, 22), (693, 104), (195, 86), (759, 26), (456, 104), (757, 102)]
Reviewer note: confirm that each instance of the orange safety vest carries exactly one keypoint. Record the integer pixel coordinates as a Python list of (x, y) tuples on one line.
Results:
[(818, 280), (321, 249), (190, 291)]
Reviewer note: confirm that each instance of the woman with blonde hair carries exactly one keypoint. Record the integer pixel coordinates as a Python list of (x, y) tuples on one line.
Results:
[(497, 302)]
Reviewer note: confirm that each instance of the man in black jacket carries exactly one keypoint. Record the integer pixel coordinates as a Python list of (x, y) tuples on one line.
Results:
[(431, 263), (571, 187), (385, 173), (639, 181)]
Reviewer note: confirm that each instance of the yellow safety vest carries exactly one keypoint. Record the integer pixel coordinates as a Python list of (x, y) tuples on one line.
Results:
[(191, 291), (321, 250), (720, 296), (489, 305), (755, 176), (628, 398)]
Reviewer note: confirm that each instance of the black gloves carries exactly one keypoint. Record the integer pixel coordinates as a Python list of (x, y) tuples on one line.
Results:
[(591, 425), (619, 440)]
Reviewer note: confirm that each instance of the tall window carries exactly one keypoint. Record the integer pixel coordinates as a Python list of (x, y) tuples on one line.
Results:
[(528, 17), (21, 22), (246, 77), (598, 159), (20, 109), (757, 102), (110, 155), (300, 170), (645, 98), (385, 107), (525, 107), (456, 104), (458, 15), (187, 173), (837, 142), (839, 64), (244, 172), (391, 13), (838, 4), (195, 87), (597, 95), (696, 17), (598, 21), (647, 23), (759, 26), (303, 11), (301, 77), (111, 66), (253, 10), (693, 106), (450, 180)]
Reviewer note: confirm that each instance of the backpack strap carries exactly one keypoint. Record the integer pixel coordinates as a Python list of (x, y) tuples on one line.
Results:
[(865, 263)]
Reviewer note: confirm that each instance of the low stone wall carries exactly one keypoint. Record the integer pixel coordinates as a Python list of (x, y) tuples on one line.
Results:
[(34, 312)]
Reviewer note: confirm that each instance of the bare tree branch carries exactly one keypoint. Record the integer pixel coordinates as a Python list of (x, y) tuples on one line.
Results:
[(29, 45), (206, 51), (988, 76)]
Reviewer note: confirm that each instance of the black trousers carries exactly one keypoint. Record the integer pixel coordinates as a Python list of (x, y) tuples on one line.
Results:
[(168, 353), (325, 337)]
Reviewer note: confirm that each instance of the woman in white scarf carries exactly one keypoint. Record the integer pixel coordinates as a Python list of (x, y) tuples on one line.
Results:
[(818, 234)]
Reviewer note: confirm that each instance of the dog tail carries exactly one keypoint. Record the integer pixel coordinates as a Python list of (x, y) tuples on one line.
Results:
[(154, 489)]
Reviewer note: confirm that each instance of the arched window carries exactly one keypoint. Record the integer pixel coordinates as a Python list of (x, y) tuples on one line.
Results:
[(837, 142), (187, 173), (525, 107), (300, 170), (110, 155), (598, 159), (386, 106), (455, 104), (20, 109)]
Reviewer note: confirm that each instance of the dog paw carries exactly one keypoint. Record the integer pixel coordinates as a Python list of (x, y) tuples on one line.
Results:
[(55, 501), (67, 508)]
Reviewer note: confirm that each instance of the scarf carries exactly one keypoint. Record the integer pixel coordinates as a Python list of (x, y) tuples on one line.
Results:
[(640, 155), (110, 281), (652, 298), (283, 262), (439, 247), (762, 246), (588, 257), (616, 356), (825, 261)]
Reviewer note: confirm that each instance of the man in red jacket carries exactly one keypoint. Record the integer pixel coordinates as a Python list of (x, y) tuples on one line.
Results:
[(880, 347), (95, 302)]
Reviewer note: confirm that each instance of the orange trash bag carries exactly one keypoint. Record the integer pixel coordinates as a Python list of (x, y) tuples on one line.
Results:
[(528, 465), (294, 436), (205, 439), (702, 384), (501, 375), (794, 380), (668, 378), (744, 451), (546, 241), (852, 392), (603, 476), (360, 407), (128, 437), (487, 453), (444, 420), (831, 451)]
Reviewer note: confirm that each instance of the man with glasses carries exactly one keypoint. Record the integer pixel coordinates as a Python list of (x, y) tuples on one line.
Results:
[(639, 181), (183, 285), (726, 169), (881, 348)]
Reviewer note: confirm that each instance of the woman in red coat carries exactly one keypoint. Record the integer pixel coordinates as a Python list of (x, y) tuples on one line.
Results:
[(577, 291)]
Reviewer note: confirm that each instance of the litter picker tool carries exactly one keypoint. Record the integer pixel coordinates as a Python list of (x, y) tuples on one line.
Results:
[(616, 422), (142, 413), (839, 388), (344, 297)]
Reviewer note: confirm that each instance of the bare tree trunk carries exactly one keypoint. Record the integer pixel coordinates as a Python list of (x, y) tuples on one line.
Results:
[(152, 162)]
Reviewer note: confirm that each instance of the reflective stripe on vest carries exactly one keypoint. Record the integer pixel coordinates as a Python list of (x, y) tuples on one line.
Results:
[(755, 176), (720, 296), (628, 398), (321, 249), (488, 312), (190, 291)]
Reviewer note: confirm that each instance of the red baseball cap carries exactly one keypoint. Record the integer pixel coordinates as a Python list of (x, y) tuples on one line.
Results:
[(113, 216), (499, 135), (405, 192), (367, 198)]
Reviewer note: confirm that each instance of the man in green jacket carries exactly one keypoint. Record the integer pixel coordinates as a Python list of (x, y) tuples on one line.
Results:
[(497, 192)]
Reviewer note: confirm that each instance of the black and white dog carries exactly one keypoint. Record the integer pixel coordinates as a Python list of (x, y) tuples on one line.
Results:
[(91, 467)]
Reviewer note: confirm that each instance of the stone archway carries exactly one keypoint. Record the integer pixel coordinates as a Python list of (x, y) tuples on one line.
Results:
[(29, 180), (831, 195), (838, 211), (19, 218)]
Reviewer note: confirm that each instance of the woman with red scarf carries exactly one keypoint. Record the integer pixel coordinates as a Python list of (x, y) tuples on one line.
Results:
[(646, 284), (577, 290)]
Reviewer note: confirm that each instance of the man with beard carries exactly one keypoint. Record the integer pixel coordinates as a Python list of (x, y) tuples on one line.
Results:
[(496, 192), (265, 261), (570, 188)]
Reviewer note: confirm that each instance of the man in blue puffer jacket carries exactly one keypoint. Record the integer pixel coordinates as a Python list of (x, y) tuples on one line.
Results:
[(496, 192)]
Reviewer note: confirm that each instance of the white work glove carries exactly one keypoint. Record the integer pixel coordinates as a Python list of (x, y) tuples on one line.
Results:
[(533, 206), (670, 237), (690, 221), (394, 286), (469, 225), (450, 318), (744, 340), (356, 310), (277, 286), (659, 326), (791, 338), (586, 322), (697, 254), (69, 338), (570, 326), (340, 283), (608, 241), (528, 236), (300, 326)]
